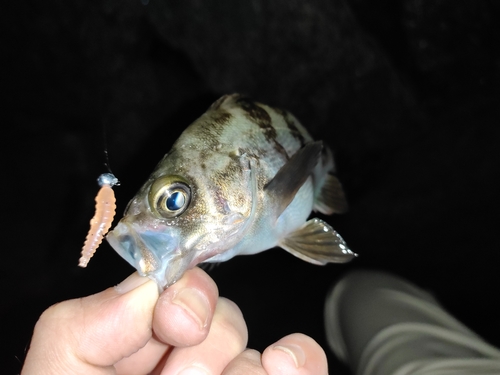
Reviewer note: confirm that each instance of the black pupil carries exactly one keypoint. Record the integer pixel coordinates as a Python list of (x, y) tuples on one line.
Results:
[(175, 201)]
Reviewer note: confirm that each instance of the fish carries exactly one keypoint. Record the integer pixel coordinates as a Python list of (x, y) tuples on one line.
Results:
[(241, 179)]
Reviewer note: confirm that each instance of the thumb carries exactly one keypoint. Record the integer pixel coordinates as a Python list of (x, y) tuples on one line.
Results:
[(89, 335)]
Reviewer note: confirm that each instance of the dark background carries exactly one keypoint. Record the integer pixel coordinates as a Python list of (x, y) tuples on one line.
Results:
[(406, 93)]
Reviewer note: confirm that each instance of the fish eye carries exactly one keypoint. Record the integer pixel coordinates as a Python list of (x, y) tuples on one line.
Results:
[(169, 196), (176, 201)]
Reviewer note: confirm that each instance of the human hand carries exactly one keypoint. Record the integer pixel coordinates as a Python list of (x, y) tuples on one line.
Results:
[(129, 329)]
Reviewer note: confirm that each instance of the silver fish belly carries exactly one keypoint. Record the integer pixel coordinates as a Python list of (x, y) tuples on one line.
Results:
[(243, 178)]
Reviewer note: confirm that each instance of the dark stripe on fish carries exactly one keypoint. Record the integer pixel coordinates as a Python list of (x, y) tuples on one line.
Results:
[(211, 130), (221, 118), (261, 118), (294, 131)]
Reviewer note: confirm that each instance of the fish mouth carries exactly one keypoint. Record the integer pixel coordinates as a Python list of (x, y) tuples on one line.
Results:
[(154, 253)]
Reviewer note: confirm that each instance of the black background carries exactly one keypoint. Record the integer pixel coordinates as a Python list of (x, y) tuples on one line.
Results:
[(406, 93)]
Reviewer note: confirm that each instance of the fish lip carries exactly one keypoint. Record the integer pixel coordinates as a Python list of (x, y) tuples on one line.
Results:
[(150, 251)]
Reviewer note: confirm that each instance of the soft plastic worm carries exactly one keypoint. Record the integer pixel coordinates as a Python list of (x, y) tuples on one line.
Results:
[(103, 218)]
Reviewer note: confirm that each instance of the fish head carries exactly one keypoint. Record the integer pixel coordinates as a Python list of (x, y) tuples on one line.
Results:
[(179, 219)]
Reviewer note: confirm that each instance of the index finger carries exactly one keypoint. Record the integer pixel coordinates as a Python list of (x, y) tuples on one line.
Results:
[(86, 335)]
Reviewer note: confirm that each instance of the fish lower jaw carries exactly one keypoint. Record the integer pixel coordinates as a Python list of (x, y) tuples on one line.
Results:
[(165, 273), (154, 254)]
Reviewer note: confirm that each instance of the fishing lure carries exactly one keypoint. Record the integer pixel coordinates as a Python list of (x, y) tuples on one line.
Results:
[(101, 222)]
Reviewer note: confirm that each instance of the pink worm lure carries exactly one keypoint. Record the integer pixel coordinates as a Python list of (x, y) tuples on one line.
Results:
[(103, 218)]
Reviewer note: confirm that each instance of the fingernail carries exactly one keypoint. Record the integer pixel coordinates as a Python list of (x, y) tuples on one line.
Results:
[(194, 370), (195, 304), (295, 352), (130, 283)]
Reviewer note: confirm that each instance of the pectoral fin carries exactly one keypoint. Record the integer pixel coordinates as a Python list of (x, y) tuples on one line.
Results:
[(318, 243), (293, 174), (331, 198)]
